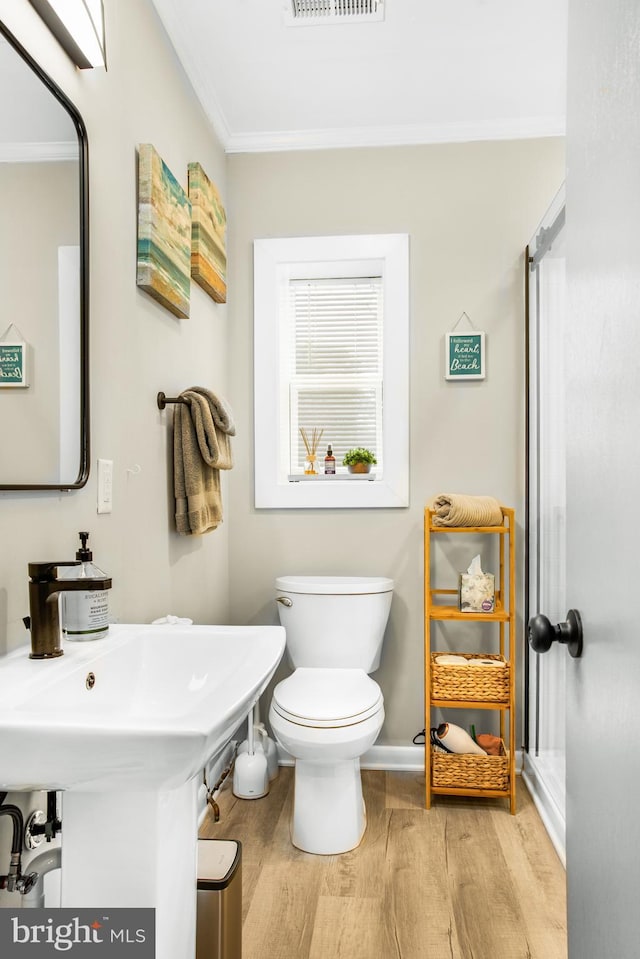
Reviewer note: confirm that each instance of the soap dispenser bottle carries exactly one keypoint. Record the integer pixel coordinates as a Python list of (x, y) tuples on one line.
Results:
[(85, 615)]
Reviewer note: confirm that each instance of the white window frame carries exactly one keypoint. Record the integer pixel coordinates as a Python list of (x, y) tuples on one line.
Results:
[(276, 261)]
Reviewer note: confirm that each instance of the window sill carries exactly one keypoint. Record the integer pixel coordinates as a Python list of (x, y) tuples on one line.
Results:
[(331, 477), (332, 492)]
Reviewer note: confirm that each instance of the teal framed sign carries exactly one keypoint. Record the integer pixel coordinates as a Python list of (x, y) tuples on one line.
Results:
[(464, 356), (13, 363)]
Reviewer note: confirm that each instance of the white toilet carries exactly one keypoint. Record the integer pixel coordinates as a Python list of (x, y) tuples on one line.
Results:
[(329, 711)]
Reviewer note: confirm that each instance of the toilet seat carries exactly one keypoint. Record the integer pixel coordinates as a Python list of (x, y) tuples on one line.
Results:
[(327, 698)]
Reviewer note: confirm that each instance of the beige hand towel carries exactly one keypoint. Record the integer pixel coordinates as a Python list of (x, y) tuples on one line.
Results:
[(459, 509), (202, 426)]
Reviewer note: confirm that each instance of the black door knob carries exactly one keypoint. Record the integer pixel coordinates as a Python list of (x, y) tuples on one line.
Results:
[(542, 633)]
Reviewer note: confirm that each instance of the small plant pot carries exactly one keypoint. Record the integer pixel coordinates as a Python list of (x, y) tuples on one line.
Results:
[(359, 468)]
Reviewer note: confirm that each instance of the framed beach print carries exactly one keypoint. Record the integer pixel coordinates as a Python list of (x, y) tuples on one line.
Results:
[(164, 234), (208, 228)]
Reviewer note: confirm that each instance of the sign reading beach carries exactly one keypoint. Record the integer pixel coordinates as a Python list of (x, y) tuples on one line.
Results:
[(13, 364), (464, 356)]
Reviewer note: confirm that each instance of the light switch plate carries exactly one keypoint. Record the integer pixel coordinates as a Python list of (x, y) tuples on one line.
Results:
[(105, 486)]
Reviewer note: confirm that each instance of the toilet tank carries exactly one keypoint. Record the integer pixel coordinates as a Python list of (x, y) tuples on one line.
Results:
[(334, 621)]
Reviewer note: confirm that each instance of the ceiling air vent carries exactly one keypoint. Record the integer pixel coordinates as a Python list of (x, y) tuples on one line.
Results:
[(301, 13)]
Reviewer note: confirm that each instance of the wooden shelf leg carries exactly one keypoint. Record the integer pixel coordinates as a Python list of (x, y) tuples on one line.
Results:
[(427, 660)]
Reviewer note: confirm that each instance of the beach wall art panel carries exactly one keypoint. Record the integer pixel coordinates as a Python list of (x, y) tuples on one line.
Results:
[(208, 227), (164, 233)]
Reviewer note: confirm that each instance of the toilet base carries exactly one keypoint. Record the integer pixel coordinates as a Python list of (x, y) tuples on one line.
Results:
[(329, 815)]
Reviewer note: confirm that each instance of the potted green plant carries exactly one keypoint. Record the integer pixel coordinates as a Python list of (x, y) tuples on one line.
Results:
[(359, 460)]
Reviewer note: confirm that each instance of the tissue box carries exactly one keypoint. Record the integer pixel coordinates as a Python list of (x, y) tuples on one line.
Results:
[(477, 593)]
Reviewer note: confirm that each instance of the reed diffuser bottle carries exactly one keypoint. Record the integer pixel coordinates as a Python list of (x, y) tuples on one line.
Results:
[(311, 446)]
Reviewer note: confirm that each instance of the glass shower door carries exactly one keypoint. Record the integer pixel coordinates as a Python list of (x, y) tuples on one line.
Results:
[(544, 761)]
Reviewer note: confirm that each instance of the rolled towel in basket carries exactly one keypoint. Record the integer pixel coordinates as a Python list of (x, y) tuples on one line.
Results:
[(500, 663), (451, 659), (455, 739), (459, 509)]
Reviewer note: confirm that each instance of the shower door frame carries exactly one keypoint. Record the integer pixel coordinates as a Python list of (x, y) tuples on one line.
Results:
[(544, 683)]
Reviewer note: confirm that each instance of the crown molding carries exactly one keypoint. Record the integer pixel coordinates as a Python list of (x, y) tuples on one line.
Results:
[(520, 128), (205, 93), (177, 29), (39, 152)]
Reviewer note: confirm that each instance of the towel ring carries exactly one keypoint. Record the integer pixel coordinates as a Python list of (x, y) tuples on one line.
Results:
[(162, 400)]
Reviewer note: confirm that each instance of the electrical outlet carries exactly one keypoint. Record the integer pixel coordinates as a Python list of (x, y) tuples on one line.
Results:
[(105, 486)]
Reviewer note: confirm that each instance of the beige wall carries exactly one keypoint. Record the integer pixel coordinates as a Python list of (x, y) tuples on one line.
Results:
[(45, 194), (469, 209), (137, 347)]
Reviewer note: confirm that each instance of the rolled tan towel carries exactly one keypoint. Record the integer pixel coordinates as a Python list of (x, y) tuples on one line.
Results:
[(459, 509)]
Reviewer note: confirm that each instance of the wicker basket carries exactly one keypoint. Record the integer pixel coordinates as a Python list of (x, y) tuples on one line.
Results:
[(469, 771), (472, 683)]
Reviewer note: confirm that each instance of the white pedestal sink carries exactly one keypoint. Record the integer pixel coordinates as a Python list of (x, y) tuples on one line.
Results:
[(124, 726)]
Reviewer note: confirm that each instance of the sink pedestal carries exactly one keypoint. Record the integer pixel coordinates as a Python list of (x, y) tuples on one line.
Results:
[(139, 848), (123, 727)]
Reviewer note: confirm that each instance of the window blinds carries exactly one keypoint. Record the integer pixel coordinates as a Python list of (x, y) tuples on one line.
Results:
[(335, 364)]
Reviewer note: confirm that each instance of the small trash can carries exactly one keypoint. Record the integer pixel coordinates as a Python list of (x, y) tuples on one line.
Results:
[(219, 908)]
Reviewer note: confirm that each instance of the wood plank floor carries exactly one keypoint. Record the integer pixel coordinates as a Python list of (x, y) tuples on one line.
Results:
[(464, 880)]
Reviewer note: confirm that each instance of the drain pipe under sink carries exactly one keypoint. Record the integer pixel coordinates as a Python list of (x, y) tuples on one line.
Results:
[(44, 863)]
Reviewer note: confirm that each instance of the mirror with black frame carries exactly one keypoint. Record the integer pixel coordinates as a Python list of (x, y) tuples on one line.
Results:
[(44, 402)]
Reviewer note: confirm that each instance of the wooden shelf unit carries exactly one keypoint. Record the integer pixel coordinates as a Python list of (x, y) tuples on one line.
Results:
[(438, 607)]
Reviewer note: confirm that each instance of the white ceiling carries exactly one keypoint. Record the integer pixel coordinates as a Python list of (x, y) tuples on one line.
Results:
[(432, 71)]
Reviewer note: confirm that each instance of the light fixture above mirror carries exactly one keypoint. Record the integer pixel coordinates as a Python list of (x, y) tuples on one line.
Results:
[(78, 26)]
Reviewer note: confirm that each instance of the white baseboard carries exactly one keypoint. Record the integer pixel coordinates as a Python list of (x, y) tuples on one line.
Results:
[(407, 758), (551, 816)]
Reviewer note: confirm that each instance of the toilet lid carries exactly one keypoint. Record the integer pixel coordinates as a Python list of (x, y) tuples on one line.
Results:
[(335, 585), (327, 697)]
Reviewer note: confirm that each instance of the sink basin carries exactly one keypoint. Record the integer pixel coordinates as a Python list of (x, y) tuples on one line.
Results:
[(160, 702), (124, 726)]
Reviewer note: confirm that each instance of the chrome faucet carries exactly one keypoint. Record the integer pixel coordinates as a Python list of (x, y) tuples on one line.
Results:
[(44, 618)]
